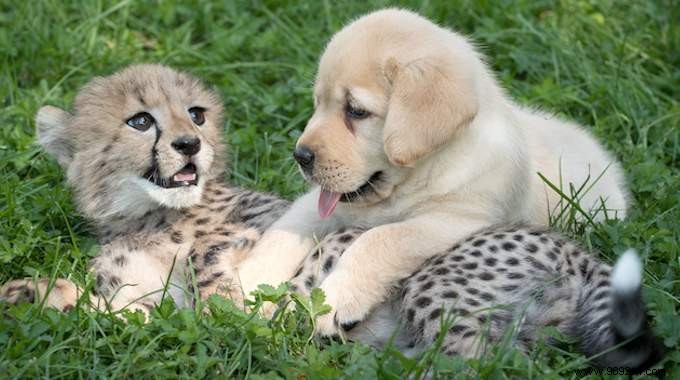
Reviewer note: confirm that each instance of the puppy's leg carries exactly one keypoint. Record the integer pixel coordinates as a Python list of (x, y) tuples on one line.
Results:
[(381, 257), (284, 246)]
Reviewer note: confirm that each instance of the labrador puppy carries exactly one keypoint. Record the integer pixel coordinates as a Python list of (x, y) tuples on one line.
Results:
[(413, 139)]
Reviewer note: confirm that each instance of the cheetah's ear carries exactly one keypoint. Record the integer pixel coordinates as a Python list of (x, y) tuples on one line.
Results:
[(52, 132)]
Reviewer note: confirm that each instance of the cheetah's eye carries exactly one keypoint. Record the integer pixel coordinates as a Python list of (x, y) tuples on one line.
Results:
[(197, 115), (141, 121)]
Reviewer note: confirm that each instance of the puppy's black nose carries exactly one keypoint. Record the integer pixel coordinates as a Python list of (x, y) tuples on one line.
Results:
[(304, 156), (187, 145)]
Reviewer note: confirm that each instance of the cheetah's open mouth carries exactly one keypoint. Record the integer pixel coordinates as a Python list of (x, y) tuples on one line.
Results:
[(187, 176)]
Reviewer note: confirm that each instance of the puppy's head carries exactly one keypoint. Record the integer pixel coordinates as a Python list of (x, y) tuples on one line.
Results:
[(392, 87), (140, 139)]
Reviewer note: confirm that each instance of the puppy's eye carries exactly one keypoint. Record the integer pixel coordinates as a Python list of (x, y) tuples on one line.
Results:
[(356, 113), (197, 115), (141, 121)]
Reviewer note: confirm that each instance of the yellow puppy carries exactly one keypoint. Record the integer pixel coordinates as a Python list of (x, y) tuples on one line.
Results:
[(413, 138)]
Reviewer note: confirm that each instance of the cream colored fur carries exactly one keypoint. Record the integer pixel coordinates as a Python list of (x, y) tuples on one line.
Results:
[(456, 153)]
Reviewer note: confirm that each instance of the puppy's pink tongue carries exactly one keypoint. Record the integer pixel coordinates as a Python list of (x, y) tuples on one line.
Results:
[(327, 202)]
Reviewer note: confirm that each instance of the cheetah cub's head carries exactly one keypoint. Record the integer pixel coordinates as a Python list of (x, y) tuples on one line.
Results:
[(143, 138)]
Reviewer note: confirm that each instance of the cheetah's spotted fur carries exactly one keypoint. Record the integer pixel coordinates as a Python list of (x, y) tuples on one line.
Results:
[(495, 278), (149, 232), (199, 235)]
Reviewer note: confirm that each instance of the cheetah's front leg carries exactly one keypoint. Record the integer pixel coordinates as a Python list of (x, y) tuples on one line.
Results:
[(213, 259)]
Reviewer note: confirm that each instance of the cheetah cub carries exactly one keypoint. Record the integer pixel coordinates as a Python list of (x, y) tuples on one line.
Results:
[(142, 151), (505, 280)]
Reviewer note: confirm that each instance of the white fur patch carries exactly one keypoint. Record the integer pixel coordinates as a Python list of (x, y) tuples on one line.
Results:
[(178, 197), (627, 273), (135, 196)]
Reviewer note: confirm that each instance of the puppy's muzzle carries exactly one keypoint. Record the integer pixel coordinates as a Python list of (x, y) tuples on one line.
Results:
[(304, 157)]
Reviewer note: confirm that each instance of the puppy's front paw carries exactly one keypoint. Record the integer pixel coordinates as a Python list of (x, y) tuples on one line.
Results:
[(349, 306)]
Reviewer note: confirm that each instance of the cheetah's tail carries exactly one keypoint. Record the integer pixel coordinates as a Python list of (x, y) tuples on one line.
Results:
[(621, 336)]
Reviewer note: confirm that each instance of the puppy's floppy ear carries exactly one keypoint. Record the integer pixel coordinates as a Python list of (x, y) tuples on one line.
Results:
[(53, 133), (429, 102)]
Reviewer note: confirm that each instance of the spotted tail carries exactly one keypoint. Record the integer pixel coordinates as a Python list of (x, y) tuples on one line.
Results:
[(611, 324)]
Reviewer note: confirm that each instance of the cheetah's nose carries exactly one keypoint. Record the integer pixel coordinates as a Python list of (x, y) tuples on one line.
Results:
[(187, 145)]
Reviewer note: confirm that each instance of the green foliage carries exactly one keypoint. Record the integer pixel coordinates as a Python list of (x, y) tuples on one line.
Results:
[(611, 65)]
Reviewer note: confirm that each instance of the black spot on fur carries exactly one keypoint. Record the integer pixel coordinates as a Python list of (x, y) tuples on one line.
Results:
[(441, 271), (199, 234), (536, 264), (486, 276), (309, 282), (421, 278), (583, 267), (476, 253), (345, 238), (410, 314), (423, 302), (449, 294), (460, 281), (328, 265), (472, 302), (457, 329), (509, 288), (427, 286), (457, 258), (114, 282), (435, 313), (478, 243), (120, 260), (469, 334), (551, 255), (176, 237), (512, 261), (160, 223), (472, 291), (508, 246), (518, 237), (486, 296), (490, 261), (469, 266), (515, 275), (315, 255), (531, 247), (201, 221)]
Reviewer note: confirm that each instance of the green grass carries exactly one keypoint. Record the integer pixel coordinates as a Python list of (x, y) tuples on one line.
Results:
[(611, 65)]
